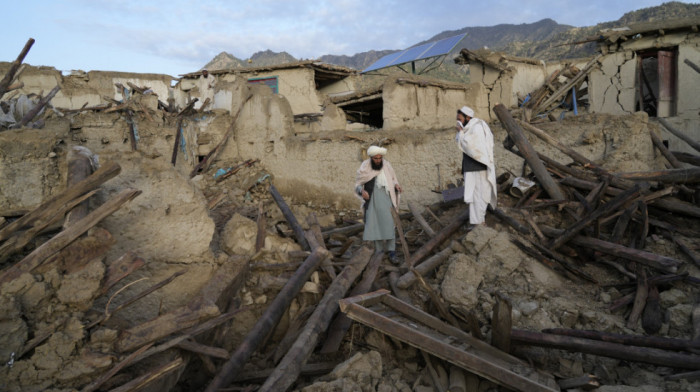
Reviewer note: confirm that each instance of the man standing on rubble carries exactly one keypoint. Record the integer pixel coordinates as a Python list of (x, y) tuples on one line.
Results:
[(475, 140), (379, 189)]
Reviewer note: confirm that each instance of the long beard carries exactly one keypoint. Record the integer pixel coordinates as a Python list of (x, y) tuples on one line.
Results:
[(377, 166)]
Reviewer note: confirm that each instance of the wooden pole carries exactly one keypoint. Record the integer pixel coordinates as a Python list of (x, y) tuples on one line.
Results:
[(399, 229), (687, 157), (529, 153), (612, 350), (441, 237), (260, 236), (691, 142), (5, 82), (501, 323), (629, 340), (178, 135), (289, 216), (289, 368), (267, 322)]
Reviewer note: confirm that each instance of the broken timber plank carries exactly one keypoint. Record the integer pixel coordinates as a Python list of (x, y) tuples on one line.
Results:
[(62, 239), (407, 279), (528, 152), (267, 322), (446, 342), (289, 368), (421, 221), (664, 151), (36, 109), (682, 176), (630, 340), (607, 349)]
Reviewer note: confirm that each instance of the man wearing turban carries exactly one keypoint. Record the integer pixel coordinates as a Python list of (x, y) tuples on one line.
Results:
[(379, 189), (475, 140)]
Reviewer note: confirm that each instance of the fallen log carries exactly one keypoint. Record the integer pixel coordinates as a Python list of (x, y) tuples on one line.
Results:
[(439, 238), (267, 322), (682, 176), (199, 348), (342, 323), (105, 173), (399, 229), (600, 212), (62, 239), (10, 75), (421, 221), (500, 214), (653, 260), (289, 368), (291, 219), (613, 350), (669, 127), (407, 279), (309, 369), (36, 109), (528, 152), (347, 230)]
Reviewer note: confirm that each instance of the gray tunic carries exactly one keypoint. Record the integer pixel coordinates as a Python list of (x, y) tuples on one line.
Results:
[(379, 225)]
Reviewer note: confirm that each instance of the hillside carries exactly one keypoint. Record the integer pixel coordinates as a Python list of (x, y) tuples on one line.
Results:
[(545, 39)]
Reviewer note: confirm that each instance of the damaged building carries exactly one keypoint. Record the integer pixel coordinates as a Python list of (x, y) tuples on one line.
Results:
[(220, 242)]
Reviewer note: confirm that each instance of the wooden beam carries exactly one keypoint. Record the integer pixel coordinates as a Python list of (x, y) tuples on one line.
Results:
[(291, 219), (528, 152), (669, 127), (10, 75), (441, 237)]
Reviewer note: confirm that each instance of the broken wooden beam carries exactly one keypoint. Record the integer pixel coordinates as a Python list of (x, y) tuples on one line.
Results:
[(501, 323), (439, 238), (629, 340), (681, 176), (444, 341), (10, 75), (178, 136), (399, 229), (289, 216), (678, 133), (687, 157), (421, 221), (267, 322), (613, 350), (656, 140), (342, 323), (407, 279), (586, 382), (106, 172), (261, 223), (62, 239), (528, 152), (289, 368), (512, 222), (663, 263), (607, 208), (36, 109)]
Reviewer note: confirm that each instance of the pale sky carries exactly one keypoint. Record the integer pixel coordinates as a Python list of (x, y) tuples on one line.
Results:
[(175, 37)]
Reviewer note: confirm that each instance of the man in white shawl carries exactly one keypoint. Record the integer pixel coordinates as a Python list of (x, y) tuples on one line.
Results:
[(379, 189), (475, 140)]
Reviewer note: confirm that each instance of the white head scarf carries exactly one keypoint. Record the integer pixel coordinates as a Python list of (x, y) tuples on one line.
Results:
[(467, 111), (376, 150)]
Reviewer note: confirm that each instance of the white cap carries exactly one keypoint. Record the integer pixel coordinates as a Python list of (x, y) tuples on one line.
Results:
[(376, 150), (467, 111)]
